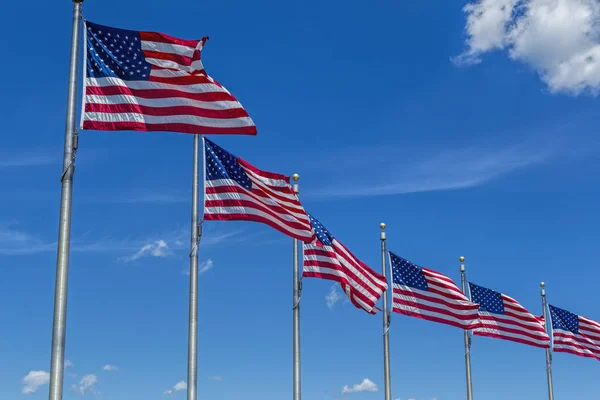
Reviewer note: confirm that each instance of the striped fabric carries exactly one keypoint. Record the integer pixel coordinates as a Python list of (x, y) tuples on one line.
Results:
[(236, 190), (147, 81), (426, 294), (327, 258), (502, 317), (575, 334)]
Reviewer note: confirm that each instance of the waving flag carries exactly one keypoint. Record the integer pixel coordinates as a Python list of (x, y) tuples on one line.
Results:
[(327, 258), (575, 334), (147, 81), (236, 190), (423, 293), (502, 317)]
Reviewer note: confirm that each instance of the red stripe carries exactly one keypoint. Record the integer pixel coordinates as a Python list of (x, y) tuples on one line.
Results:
[(587, 355), (248, 204), (347, 273), (266, 174), (162, 38), (450, 303), (179, 59), (259, 196), (580, 344), (166, 111), (373, 277), (434, 319), (498, 336), (260, 186), (252, 218), (172, 127), (523, 332), (158, 93), (182, 80), (436, 310)]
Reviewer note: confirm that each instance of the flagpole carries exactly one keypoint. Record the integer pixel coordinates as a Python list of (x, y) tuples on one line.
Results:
[(386, 320), (59, 324), (548, 353), (192, 375), (296, 310), (463, 281)]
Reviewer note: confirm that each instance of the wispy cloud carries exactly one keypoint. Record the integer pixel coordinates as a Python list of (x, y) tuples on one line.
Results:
[(365, 386), (215, 378), (333, 296), (33, 380), (202, 267), (158, 248), (86, 384), (27, 160), (176, 388), (16, 240), (445, 170), (109, 367), (68, 363)]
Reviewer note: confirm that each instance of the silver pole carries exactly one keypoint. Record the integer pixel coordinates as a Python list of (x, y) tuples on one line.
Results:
[(192, 376), (296, 308), (463, 280), (386, 321), (548, 353), (59, 325)]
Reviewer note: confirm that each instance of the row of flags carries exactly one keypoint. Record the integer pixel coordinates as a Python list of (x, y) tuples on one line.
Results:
[(149, 81), (249, 194)]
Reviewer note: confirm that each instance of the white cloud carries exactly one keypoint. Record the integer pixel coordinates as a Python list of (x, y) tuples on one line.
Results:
[(34, 380), (559, 39), (86, 384), (68, 363), (333, 296), (215, 378), (365, 386), (109, 367), (205, 266), (158, 248), (176, 388)]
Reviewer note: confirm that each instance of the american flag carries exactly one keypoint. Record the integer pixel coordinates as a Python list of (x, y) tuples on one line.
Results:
[(502, 317), (147, 81), (423, 293), (575, 334), (236, 190), (327, 258)]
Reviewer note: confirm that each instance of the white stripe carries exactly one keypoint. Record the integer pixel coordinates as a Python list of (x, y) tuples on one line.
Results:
[(357, 270), (292, 201), (320, 259), (591, 324), (169, 119), (169, 48), (286, 216), (483, 331), (430, 303), (575, 339), (444, 289), (444, 317), (147, 85), (572, 348), (267, 185), (162, 102), (510, 320), (159, 62), (254, 211), (249, 195), (169, 73), (431, 295)]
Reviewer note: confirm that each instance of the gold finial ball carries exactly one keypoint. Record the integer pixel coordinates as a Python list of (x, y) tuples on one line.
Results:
[(382, 225), (542, 284), (461, 259), (295, 177)]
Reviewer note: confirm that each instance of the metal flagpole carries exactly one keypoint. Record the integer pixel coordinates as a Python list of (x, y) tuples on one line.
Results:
[(296, 309), (59, 325), (386, 321), (548, 353), (463, 280), (192, 376)]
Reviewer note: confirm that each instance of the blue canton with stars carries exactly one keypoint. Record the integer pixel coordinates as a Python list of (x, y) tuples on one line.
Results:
[(221, 164), (488, 300), (322, 233), (113, 52), (407, 273), (564, 320)]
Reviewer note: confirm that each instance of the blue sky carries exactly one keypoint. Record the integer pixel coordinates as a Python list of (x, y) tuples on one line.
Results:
[(469, 131)]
